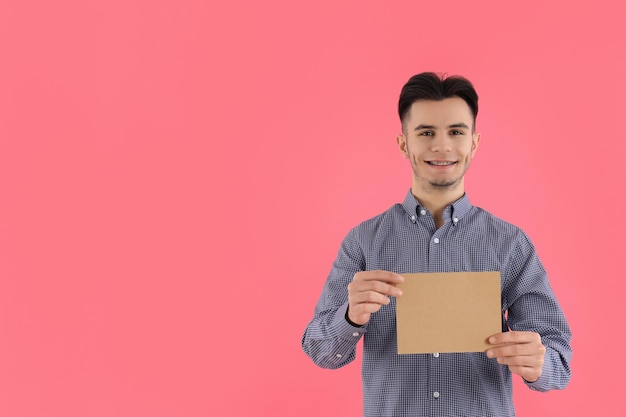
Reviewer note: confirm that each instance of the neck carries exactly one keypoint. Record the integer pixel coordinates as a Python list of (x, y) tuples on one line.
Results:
[(436, 199)]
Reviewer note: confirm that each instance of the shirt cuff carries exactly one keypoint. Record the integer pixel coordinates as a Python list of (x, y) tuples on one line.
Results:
[(345, 329)]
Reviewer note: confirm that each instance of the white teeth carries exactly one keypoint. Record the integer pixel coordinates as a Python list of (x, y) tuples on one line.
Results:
[(441, 162)]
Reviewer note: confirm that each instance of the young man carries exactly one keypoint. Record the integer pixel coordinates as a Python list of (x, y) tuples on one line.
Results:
[(437, 229)]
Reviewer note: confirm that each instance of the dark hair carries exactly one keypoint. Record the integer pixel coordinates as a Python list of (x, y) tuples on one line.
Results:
[(430, 86)]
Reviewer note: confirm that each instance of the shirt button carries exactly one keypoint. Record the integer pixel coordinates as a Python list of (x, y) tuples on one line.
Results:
[(338, 355), (355, 334), (436, 355), (423, 212), (456, 219), (436, 240), (412, 217), (436, 394)]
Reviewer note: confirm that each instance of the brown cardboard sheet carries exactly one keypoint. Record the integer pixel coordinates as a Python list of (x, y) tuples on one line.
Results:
[(448, 312)]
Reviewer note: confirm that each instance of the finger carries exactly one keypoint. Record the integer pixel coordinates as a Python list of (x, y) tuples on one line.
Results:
[(366, 308), (523, 361), (523, 349), (514, 337), (376, 286), (384, 276), (369, 297), (385, 288)]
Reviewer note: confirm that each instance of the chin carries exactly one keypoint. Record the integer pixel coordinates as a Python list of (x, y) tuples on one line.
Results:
[(444, 184)]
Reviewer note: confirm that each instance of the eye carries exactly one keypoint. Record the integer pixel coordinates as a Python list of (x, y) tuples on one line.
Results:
[(457, 132), (426, 133)]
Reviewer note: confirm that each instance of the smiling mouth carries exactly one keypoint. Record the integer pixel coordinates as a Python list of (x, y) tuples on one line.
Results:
[(441, 163)]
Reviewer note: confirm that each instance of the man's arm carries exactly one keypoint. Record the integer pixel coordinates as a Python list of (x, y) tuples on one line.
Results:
[(538, 346), (349, 298)]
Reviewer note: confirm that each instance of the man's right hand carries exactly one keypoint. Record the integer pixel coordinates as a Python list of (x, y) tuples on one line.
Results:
[(370, 290)]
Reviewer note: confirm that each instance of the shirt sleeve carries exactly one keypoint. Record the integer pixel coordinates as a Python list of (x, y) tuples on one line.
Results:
[(329, 339), (532, 306)]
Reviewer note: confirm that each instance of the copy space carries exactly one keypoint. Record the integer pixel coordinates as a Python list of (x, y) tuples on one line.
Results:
[(448, 312)]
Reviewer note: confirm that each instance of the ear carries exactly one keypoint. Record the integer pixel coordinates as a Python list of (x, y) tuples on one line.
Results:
[(475, 142), (401, 140)]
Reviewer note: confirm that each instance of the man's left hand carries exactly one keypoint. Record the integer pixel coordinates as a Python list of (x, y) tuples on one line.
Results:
[(522, 352)]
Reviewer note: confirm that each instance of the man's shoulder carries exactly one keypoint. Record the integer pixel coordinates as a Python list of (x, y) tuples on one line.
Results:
[(388, 218), (493, 223)]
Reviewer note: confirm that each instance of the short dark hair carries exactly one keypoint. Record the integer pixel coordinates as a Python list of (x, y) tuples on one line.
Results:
[(430, 86)]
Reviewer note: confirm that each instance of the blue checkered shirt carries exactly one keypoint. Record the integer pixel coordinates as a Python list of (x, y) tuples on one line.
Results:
[(404, 239)]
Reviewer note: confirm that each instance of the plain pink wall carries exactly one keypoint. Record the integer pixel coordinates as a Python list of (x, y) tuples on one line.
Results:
[(176, 177)]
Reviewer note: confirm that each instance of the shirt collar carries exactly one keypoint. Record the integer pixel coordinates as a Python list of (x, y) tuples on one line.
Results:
[(454, 211)]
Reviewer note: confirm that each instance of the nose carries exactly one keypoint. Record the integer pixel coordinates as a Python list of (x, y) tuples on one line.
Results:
[(441, 143)]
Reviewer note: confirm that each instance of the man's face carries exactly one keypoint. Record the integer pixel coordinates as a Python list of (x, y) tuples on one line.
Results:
[(439, 141)]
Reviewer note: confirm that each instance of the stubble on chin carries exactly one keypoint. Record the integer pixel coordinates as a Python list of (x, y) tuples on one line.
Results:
[(443, 186)]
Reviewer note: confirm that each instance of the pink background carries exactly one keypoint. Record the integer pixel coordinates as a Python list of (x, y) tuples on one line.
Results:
[(176, 177)]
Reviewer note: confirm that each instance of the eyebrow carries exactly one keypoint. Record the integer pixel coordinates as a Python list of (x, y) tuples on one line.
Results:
[(452, 126)]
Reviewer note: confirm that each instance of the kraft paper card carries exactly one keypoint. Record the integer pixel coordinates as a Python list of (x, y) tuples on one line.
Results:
[(448, 312)]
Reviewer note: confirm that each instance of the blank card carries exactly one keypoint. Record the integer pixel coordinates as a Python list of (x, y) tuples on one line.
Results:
[(448, 312)]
